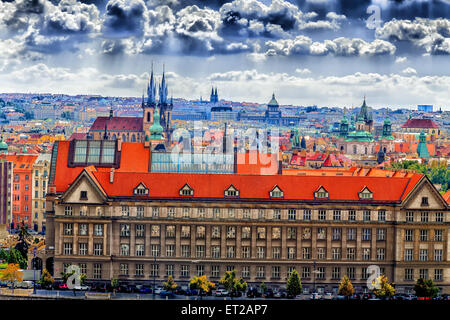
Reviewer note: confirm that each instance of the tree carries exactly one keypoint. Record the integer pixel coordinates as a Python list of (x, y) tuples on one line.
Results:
[(346, 287), (82, 278), (12, 273), (384, 288), (13, 256), (170, 285), (263, 287), (425, 288), (233, 285), (46, 279), (201, 284), (294, 286), (22, 246), (114, 284), (66, 275)]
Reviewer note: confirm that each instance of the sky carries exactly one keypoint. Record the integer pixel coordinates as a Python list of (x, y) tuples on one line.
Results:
[(307, 52)]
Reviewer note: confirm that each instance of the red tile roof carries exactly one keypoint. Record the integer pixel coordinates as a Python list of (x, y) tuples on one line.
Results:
[(78, 136), (446, 196), (420, 123), (118, 123), (134, 170)]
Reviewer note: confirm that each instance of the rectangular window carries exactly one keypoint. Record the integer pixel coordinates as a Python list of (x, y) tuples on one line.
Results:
[(68, 248), (97, 271), (186, 251), (140, 230), (245, 252), (366, 215), (424, 217), (322, 215), (409, 274), (277, 214), (215, 271), (170, 270), (291, 233), (215, 252), (438, 235), (336, 273), (140, 210), (292, 214), (306, 273), (261, 214), (423, 254), (246, 233), (231, 232), (381, 215), (200, 251), (439, 217), (336, 253), (438, 274), (351, 234), (124, 249), (423, 273), (185, 271), (109, 148), (200, 270), (139, 271), (261, 233), (437, 254), (260, 272), (246, 214), (337, 215), (320, 273), (381, 234), (276, 233), (200, 232), (215, 232), (321, 253), (98, 230), (201, 212), (230, 251), (276, 252), (381, 253), (409, 234), (408, 254), (337, 233), (82, 249), (423, 235), (170, 231), (186, 212), (276, 272), (124, 230), (409, 216), (68, 211), (260, 252), (366, 234), (98, 249), (185, 231), (170, 212), (366, 254), (155, 231), (245, 272), (125, 211), (68, 229), (291, 252), (80, 151), (306, 252), (307, 214), (351, 273), (351, 215), (155, 212), (140, 250), (170, 250)]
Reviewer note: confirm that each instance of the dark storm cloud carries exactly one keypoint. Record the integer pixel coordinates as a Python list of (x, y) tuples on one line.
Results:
[(124, 18)]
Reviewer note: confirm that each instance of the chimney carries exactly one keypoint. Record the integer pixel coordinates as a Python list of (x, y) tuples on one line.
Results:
[(111, 175), (119, 143)]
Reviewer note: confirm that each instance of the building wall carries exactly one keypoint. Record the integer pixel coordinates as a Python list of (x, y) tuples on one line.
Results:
[(41, 171), (116, 216), (5, 196)]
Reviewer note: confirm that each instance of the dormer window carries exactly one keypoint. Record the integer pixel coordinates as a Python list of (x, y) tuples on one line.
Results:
[(186, 191), (83, 195), (140, 190), (321, 193), (424, 201), (365, 194), (231, 192), (276, 192)]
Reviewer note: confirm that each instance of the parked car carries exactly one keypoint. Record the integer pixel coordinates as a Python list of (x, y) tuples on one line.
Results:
[(235, 294), (328, 296), (221, 292), (253, 293), (269, 293), (145, 289), (158, 290), (181, 290), (316, 296), (167, 293), (191, 292), (280, 294), (63, 286), (82, 288), (339, 297)]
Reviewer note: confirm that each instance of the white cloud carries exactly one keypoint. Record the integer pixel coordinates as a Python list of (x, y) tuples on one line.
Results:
[(409, 71), (401, 59)]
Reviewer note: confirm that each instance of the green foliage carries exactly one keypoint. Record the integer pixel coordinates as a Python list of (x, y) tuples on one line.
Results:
[(13, 256), (170, 285), (385, 289), (233, 284), (46, 278), (114, 283), (201, 283), (438, 174), (263, 287), (346, 287), (425, 288), (82, 278), (66, 275), (294, 286)]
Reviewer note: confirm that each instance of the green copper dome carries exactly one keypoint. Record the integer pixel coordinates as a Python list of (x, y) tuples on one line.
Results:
[(387, 121), (3, 146), (360, 136), (422, 150), (156, 129), (344, 120), (273, 101)]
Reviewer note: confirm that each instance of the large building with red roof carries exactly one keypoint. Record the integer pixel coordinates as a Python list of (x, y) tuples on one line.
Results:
[(114, 217), (419, 125)]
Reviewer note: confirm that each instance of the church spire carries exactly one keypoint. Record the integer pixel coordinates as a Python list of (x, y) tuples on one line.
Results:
[(151, 89)]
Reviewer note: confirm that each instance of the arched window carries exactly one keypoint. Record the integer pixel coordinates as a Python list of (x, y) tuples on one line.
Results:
[(365, 150), (133, 138), (114, 137), (148, 116), (124, 137)]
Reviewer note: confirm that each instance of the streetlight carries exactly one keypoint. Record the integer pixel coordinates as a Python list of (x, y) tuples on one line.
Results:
[(34, 270), (154, 277)]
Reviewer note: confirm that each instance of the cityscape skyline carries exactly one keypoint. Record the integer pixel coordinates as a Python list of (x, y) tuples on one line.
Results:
[(395, 52)]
